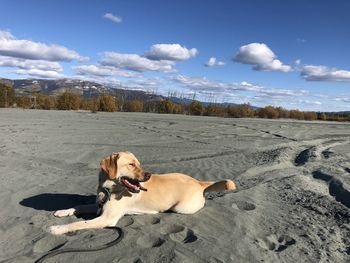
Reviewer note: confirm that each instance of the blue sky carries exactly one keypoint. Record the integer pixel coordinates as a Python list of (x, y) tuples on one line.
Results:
[(293, 54)]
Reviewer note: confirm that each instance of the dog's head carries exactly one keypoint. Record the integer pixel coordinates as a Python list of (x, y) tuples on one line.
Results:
[(124, 169)]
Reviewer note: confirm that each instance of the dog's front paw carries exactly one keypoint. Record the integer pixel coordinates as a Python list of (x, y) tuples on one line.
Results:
[(58, 229), (65, 212)]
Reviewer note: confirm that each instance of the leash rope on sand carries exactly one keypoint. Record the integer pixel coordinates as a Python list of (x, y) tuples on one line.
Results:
[(70, 250)]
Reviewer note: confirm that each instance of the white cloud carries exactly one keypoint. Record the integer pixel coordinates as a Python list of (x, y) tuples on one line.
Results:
[(310, 102), (261, 57), (146, 84), (113, 18), (202, 85), (323, 73), (213, 62), (29, 64), (39, 73), (135, 62), (103, 71), (172, 52), (343, 99), (6, 35), (27, 49)]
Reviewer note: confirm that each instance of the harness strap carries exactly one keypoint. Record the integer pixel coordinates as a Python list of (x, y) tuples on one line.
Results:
[(107, 196), (107, 193)]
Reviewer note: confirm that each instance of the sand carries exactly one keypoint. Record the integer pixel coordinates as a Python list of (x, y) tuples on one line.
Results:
[(292, 203)]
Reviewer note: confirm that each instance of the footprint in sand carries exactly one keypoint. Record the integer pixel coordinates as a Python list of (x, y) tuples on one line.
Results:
[(305, 156), (179, 233), (148, 220), (243, 205), (212, 196), (148, 241), (327, 153), (125, 260), (125, 221), (48, 243), (276, 243)]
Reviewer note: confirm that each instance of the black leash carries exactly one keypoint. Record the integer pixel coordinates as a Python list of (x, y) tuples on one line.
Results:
[(70, 250), (57, 251)]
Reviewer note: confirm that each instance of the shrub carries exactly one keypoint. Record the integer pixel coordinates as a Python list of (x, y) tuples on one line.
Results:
[(196, 108), (178, 108), (45, 102), (268, 112), (296, 114), (134, 106), (24, 102), (241, 111), (322, 116), (214, 110), (165, 106), (107, 103), (68, 101), (282, 113), (150, 106), (90, 104), (7, 95), (310, 116), (232, 111)]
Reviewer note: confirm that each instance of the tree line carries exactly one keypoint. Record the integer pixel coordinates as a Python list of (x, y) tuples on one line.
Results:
[(71, 101)]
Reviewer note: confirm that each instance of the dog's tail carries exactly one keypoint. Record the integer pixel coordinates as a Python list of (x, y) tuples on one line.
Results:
[(227, 184)]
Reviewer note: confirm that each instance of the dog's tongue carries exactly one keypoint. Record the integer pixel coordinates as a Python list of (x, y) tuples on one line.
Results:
[(142, 188)]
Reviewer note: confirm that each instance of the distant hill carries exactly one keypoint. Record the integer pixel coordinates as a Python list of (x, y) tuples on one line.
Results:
[(89, 89), (339, 113)]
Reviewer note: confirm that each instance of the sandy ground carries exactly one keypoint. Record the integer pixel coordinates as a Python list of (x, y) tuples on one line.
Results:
[(292, 202)]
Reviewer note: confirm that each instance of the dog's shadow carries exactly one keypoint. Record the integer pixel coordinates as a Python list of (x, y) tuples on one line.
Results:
[(53, 201)]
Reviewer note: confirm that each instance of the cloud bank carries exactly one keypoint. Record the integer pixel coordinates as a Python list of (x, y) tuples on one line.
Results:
[(323, 73), (103, 71), (39, 73), (29, 64), (135, 62), (202, 84), (27, 49)]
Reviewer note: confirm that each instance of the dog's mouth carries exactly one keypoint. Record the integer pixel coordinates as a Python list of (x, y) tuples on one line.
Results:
[(132, 185)]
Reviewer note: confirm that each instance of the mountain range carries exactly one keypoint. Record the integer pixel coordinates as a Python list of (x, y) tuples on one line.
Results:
[(88, 89), (91, 89)]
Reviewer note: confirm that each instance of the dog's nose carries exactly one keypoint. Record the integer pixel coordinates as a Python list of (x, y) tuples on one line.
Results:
[(147, 176)]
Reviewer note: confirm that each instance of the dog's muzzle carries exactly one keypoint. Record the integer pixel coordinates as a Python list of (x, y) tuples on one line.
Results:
[(134, 185)]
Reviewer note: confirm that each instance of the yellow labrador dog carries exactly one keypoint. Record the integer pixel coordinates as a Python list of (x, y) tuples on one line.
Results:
[(133, 191)]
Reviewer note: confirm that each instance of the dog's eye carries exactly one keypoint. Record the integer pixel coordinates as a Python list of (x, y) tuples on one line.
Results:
[(132, 164)]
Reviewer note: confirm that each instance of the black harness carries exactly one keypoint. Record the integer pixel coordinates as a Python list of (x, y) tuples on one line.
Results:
[(107, 196)]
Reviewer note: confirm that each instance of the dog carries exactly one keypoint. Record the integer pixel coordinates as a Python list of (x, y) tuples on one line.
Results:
[(125, 188)]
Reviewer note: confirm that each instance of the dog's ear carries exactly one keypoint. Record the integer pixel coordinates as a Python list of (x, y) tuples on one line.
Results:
[(110, 165)]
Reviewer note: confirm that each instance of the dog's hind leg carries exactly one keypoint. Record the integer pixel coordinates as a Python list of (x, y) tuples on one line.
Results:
[(224, 185), (190, 205)]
